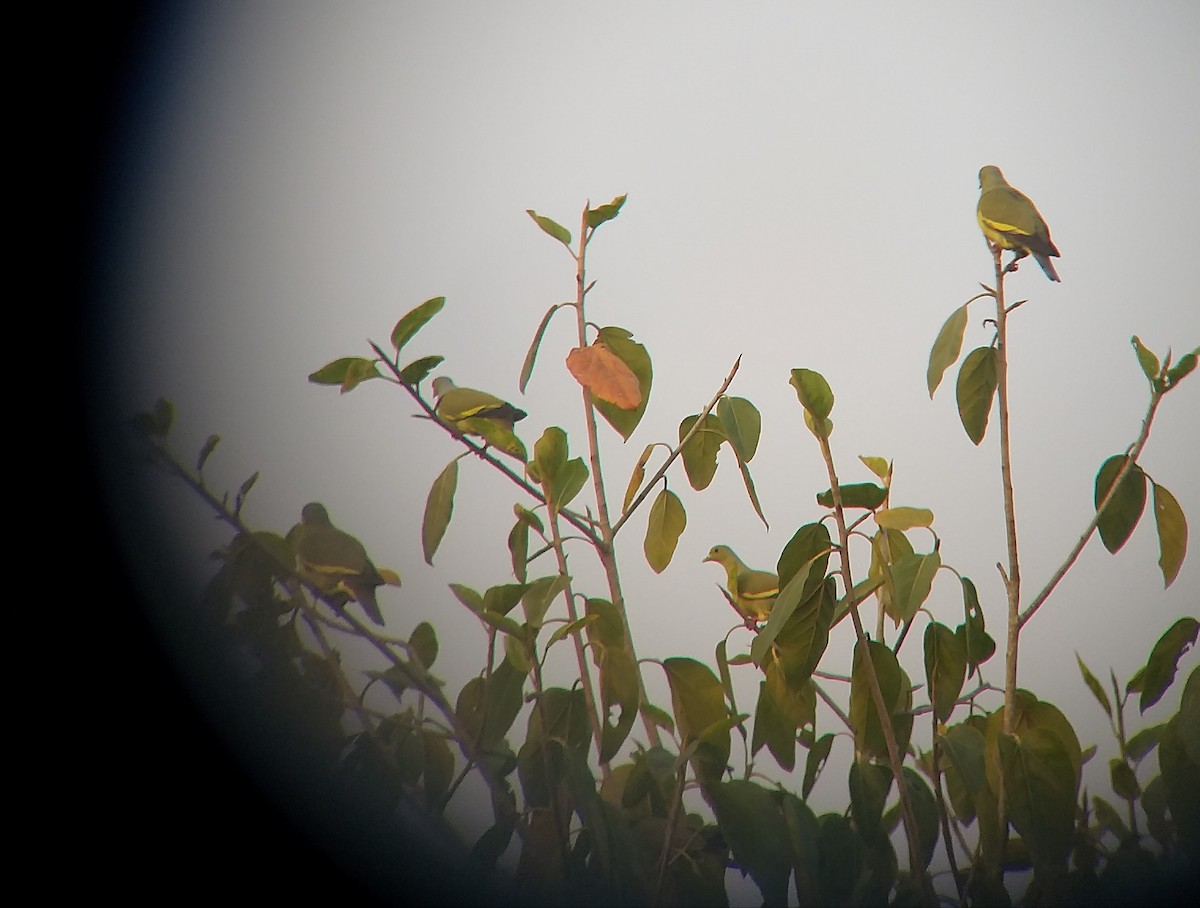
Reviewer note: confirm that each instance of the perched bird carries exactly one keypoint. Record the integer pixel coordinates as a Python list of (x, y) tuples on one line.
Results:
[(334, 562), (472, 412), (1011, 221), (751, 592)]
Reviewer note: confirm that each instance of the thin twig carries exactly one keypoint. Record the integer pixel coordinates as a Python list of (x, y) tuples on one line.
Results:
[(1133, 453), (882, 708)]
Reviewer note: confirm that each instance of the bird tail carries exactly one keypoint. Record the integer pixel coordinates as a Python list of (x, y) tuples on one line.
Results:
[(1047, 266), (371, 607)]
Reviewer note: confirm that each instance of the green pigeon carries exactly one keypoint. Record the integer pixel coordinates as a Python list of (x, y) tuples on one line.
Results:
[(472, 412), (751, 592), (1011, 221), (334, 562)]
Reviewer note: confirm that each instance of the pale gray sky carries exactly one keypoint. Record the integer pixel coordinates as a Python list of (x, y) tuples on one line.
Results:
[(802, 182)]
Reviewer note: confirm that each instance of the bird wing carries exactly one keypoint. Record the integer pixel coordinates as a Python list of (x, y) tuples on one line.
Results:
[(757, 585), (1009, 218), (467, 403)]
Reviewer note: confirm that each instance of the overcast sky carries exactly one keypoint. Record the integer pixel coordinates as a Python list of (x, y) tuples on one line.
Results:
[(802, 183)]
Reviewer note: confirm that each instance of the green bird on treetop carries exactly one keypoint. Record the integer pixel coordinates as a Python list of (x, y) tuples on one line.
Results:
[(1009, 220), (334, 562), (752, 593)]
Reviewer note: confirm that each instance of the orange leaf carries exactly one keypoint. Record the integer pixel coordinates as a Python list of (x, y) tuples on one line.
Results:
[(603, 373)]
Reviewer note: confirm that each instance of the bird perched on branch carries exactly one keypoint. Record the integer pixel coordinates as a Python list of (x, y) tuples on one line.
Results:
[(752, 593), (334, 562), (1009, 220), (472, 412)]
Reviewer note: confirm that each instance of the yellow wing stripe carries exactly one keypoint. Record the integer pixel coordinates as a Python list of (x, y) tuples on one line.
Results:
[(1004, 228)]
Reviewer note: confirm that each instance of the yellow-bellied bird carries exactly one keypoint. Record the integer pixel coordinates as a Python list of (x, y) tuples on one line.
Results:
[(334, 562), (751, 592), (1011, 221)]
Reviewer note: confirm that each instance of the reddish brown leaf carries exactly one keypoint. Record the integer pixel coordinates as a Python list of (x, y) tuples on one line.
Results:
[(603, 373)]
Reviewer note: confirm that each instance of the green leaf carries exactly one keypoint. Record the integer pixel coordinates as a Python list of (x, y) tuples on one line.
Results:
[(841, 861), (978, 646), (417, 371), (1188, 717), (210, 445), (1041, 764), (1172, 533), (945, 668), (1160, 668), (748, 482), (413, 321), (963, 747), (570, 479), (635, 356), (877, 465), (791, 595), (561, 479), (1147, 360), (571, 627), (912, 578), (869, 784), (1183, 368), (946, 348), (773, 726), (1143, 742), (855, 495), (1039, 792), (1108, 818), (531, 356), (742, 425), (818, 754), (597, 216), (976, 388), (904, 518), (503, 598), (820, 428), (1124, 782), (609, 628), (349, 372), (619, 694), (553, 229), (809, 542), (813, 391), (243, 491), (541, 593), (518, 549), (468, 597), (439, 505), (925, 810), (636, 478), (663, 529), (699, 703), (804, 836), (752, 822), (700, 452), (897, 693), (423, 643), (722, 653), (1181, 776), (1094, 685), (439, 768), (1123, 512)]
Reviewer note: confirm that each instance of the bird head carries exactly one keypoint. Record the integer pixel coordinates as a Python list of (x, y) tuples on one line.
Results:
[(990, 176), (721, 554), (314, 513), (441, 385)]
